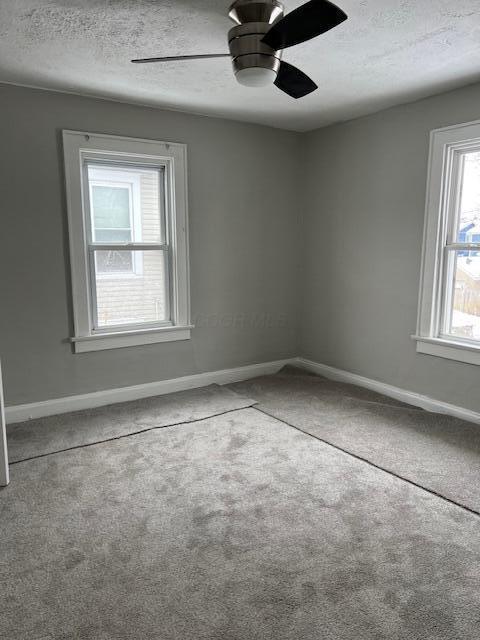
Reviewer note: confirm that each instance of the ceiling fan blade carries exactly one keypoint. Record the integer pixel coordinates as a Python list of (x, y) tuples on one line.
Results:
[(293, 81), (304, 23), (204, 56)]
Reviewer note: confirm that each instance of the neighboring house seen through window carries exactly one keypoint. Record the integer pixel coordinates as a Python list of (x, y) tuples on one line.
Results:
[(127, 220), (115, 216)]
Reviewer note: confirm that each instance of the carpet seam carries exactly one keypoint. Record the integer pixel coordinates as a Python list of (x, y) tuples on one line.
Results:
[(288, 424), (128, 435), (372, 464)]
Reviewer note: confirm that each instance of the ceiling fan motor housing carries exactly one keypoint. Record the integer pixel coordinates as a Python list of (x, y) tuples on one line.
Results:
[(254, 62)]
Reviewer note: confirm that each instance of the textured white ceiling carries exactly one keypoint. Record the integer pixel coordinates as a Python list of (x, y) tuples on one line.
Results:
[(388, 51)]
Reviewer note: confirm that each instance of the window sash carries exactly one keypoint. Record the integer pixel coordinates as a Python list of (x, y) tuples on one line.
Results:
[(453, 170), (93, 246), (95, 326), (448, 291), (124, 170)]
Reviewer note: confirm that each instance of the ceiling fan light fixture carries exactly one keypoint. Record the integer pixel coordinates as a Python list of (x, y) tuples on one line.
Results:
[(256, 76)]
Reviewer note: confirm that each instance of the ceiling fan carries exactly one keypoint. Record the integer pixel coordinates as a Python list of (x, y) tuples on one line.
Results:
[(261, 33)]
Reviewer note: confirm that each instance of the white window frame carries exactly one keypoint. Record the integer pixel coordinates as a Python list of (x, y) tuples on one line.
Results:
[(81, 147), (446, 148)]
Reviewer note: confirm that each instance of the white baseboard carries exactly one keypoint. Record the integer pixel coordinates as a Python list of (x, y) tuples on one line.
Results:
[(410, 397), (23, 412)]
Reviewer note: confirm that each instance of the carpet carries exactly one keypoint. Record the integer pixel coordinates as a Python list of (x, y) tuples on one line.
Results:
[(56, 433), (439, 452), (235, 527)]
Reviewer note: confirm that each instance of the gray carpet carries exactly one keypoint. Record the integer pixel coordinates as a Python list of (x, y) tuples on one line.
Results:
[(438, 452), (55, 433), (236, 527)]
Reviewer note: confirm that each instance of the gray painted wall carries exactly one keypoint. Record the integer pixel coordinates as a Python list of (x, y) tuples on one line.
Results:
[(363, 226), (243, 237), (360, 190)]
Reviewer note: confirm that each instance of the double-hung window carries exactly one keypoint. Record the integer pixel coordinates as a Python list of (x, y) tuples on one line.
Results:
[(449, 311), (127, 209)]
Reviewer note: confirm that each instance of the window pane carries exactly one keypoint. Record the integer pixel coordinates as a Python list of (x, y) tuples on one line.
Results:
[(463, 317), (111, 207), (113, 235), (468, 224), (114, 262), (134, 297), (126, 203)]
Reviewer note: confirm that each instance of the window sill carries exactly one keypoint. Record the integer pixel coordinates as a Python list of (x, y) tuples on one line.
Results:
[(459, 351), (118, 340)]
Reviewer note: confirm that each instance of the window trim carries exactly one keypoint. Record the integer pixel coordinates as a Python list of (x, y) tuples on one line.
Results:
[(446, 144), (79, 146)]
